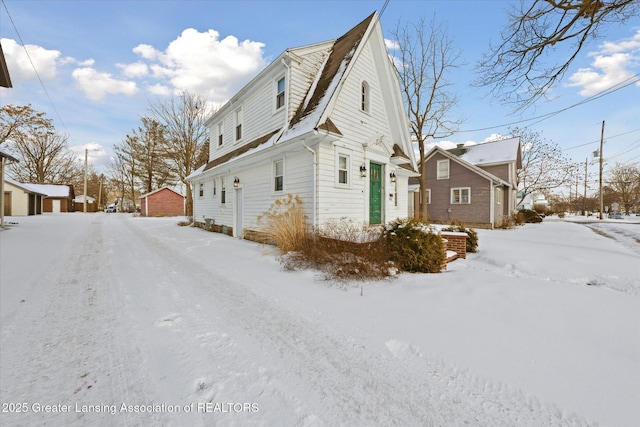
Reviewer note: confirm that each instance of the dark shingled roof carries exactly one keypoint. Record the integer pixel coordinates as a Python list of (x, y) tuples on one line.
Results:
[(343, 50), (399, 154), (241, 150), (330, 127)]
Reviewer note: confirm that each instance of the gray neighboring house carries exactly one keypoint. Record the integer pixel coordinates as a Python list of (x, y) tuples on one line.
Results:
[(475, 184)]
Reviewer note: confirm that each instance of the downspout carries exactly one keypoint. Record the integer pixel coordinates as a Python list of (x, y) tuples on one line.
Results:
[(315, 172), (492, 195)]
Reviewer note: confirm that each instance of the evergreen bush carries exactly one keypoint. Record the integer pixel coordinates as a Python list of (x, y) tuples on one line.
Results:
[(414, 246)]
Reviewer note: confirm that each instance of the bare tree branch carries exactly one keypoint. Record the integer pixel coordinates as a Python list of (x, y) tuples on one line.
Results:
[(424, 57), (516, 70)]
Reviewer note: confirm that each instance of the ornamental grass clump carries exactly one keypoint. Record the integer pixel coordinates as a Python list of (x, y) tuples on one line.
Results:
[(414, 246), (284, 224), (343, 250)]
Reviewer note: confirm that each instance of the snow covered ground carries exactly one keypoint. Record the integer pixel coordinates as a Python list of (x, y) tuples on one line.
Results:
[(108, 319)]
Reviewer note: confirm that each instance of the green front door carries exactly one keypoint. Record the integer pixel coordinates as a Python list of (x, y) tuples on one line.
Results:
[(375, 194)]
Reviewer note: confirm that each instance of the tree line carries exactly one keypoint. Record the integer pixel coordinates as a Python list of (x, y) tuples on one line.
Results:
[(171, 140), (169, 144)]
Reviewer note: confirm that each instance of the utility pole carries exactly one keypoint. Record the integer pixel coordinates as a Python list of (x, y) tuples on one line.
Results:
[(584, 200), (601, 145), (86, 151)]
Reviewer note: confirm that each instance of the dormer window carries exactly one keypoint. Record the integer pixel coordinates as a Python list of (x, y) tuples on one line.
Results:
[(280, 94), (365, 95)]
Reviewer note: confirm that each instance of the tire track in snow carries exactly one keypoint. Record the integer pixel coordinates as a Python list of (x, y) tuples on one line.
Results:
[(328, 376), (75, 356)]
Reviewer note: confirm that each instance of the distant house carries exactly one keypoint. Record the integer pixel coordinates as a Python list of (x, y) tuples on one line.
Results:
[(78, 203), (59, 198), (474, 184), (162, 202), (323, 122), (533, 201), (21, 199)]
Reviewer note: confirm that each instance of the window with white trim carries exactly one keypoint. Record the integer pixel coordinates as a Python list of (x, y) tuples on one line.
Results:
[(238, 124), (364, 97), (215, 187), (201, 190), (223, 191), (278, 175), (280, 93), (343, 169), (461, 196), (220, 134), (443, 169), (428, 196)]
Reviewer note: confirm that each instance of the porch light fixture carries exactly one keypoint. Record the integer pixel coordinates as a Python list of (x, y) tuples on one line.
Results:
[(363, 171), (236, 182), (392, 175)]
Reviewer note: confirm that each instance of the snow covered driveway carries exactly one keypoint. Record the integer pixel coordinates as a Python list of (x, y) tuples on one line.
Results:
[(135, 321)]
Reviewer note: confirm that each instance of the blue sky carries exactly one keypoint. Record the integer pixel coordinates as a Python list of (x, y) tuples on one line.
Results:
[(102, 62)]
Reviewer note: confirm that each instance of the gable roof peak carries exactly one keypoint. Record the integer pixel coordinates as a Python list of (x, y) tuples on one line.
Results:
[(331, 73)]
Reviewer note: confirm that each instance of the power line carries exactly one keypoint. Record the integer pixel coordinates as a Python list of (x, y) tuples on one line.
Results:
[(383, 8), (33, 66), (597, 140), (627, 82)]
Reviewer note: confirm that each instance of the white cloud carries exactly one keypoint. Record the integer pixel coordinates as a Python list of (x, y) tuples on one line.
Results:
[(21, 65), (137, 69), (97, 85), (159, 89), (391, 44), (611, 65), (200, 62), (96, 154)]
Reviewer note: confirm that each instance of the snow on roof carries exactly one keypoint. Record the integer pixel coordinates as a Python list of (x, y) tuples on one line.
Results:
[(502, 151), (52, 190), (309, 113), (28, 187), (80, 199)]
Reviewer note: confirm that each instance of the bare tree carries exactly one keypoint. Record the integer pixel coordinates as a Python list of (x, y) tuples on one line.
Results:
[(44, 158), (424, 57), (517, 69), (17, 121), (624, 180), (183, 119), (544, 167)]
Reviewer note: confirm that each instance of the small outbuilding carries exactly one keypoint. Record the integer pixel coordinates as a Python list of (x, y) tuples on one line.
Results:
[(59, 197), (162, 202), (21, 199)]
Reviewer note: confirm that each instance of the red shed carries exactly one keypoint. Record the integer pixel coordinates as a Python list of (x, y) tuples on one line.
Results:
[(162, 202)]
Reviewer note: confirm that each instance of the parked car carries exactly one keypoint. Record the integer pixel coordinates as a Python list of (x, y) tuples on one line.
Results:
[(615, 215), (111, 208)]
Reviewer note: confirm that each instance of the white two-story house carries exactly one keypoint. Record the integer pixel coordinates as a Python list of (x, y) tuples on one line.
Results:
[(324, 122)]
